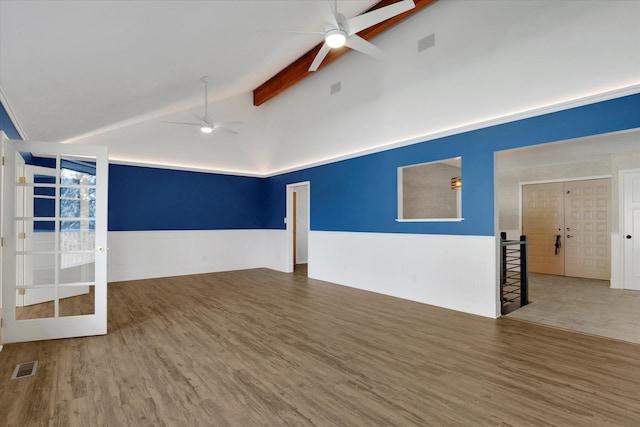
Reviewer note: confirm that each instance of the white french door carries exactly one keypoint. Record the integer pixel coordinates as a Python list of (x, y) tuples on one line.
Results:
[(630, 228), (54, 233)]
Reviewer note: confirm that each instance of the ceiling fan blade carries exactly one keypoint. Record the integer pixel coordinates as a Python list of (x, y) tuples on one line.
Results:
[(292, 32), (369, 19), (324, 50), (327, 12), (183, 123), (356, 42), (225, 129), (227, 123)]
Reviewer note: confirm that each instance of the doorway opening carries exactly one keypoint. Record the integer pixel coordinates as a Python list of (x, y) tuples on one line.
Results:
[(601, 304), (298, 214)]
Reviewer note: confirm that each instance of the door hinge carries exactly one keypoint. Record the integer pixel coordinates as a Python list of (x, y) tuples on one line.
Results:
[(2, 160), (22, 180), (1, 241), (22, 236)]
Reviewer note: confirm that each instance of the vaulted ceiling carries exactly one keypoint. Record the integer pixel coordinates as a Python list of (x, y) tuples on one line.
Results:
[(111, 72)]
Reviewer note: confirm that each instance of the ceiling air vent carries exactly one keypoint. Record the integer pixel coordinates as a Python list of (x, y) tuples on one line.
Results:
[(427, 42), (26, 369)]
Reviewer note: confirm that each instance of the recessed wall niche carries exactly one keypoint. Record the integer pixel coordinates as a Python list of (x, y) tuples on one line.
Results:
[(430, 191)]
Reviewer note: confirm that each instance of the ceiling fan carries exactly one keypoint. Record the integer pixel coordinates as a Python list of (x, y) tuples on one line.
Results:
[(206, 124), (340, 31)]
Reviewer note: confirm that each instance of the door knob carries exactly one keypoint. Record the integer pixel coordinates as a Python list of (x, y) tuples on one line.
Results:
[(628, 236), (569, 236), (100, 249)]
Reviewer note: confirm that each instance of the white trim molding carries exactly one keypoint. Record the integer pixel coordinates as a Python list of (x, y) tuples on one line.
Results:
[(12, 116)]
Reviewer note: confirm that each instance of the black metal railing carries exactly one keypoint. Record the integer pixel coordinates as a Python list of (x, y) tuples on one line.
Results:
[(514, 284)]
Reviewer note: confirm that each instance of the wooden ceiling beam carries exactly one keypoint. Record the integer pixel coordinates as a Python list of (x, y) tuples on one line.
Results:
[(298, 70)]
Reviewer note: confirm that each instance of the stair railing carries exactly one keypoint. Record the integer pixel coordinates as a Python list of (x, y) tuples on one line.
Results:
[(514, 283)]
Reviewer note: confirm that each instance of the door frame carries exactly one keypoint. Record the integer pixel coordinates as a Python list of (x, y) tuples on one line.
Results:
[(289, 228), (3, 137)]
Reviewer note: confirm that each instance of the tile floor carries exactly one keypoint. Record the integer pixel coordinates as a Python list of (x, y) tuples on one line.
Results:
[(583, 305)]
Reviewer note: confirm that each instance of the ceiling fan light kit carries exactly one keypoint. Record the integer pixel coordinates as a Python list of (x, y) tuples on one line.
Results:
[(335, 38)]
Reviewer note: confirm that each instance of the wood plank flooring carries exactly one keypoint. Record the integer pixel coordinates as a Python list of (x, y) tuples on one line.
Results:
[(70, 306), (262, 348)]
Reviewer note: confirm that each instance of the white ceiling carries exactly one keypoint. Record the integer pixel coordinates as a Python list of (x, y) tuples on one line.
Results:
[(110, 72), (73, 67)]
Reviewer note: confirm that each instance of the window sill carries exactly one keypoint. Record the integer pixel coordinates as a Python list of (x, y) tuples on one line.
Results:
[(431, 220)]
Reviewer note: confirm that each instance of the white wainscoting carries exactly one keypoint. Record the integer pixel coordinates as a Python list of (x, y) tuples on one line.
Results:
[(455, 272), (276, 247), (137, 255)]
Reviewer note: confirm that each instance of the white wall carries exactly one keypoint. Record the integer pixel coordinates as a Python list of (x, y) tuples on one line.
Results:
[(146, 254), (277, 246), (455, 272)]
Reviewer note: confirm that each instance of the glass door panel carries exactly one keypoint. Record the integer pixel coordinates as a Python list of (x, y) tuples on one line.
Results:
[(74, 303)]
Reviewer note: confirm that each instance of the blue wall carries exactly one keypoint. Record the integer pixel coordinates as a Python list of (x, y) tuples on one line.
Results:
[(6, 124), (358, 194), (361, 194), (143, 198)]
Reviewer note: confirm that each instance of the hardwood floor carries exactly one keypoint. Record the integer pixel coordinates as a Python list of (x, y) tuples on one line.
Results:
[(301, 269), (263, 348), (71, 306)]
